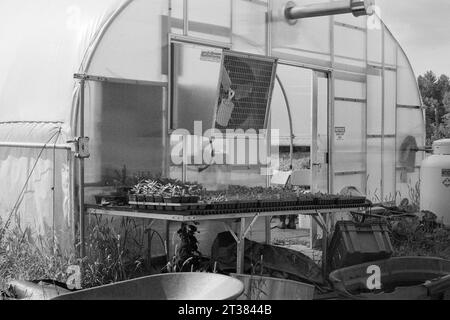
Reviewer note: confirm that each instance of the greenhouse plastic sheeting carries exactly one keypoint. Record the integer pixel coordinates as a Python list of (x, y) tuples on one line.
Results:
[(134, 45), (35, 188), (43, 43), (58, 35)]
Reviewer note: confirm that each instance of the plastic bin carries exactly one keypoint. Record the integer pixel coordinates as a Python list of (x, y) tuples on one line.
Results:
[(354, 244), (404, 278)]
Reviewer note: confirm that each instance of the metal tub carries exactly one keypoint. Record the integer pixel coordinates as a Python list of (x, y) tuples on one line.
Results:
[(173, 286), (264, 288)]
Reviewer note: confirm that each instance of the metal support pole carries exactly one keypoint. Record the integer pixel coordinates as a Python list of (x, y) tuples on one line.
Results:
[(322, 222), (81, 176), (383, 113), (325, 251), (185, 159), (291, 125), (185, 17), (240, 258), (230, 230), (247, 230), (32, 145), (167, 240), (331, 108), (165, 130), (267, 230)]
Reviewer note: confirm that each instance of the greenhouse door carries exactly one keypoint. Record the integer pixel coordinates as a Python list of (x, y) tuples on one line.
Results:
[(319, 141)]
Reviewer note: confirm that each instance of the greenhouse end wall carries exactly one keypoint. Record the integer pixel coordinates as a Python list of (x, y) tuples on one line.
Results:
[(373, 92)]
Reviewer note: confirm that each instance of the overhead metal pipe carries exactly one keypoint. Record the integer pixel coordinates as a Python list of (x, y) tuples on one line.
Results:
[(357, 7), (33, 145)]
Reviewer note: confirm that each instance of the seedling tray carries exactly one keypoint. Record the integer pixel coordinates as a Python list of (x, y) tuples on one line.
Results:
[(305, 202), (203, 209), (269, 203), (325, 202), (246, 204), (353, 200), (168, 206), (227, 205)]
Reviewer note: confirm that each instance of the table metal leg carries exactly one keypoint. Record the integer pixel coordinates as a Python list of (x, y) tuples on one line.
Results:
[(167, 241), (322, 223), (230, 230), (267, 230), (149, 231), (240, 241), (312, 233), (324, 253), (240, 254)]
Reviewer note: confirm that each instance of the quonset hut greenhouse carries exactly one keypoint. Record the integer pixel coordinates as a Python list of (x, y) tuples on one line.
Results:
[(127, 73)]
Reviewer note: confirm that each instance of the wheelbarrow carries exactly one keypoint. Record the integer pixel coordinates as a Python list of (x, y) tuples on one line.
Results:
[(172, 286)]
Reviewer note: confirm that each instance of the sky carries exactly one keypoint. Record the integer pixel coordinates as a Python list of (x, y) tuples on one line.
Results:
[(423, 29)]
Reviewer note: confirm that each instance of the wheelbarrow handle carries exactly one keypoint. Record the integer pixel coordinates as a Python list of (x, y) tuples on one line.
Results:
[(438, 286)]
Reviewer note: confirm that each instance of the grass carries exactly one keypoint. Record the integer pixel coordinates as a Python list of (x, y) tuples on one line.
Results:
[(422, 243), (116, 250), (23, 258), (416, 236), (111, 256)]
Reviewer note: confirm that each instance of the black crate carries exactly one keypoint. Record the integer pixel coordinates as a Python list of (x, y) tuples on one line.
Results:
[(354, 244)]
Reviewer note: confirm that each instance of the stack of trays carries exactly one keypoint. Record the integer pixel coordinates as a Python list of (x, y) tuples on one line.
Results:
[(234, 207)]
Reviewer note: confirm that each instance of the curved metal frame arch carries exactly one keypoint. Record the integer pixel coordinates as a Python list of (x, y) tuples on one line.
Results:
[(87, 59), (291, 125)]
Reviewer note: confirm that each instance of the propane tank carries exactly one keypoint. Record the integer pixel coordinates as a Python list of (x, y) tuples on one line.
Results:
[(435, 181)]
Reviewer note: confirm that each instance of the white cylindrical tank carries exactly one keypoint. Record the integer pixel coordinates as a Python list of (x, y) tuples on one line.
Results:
[(435, 181)]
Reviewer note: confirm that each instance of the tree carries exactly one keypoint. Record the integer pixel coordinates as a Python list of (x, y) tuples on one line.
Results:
[(428, 85), (446, 102), (432, 110), (446, 117), (436, 97), (442, 87)]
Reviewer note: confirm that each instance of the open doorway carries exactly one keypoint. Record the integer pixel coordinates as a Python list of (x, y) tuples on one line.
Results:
[(300, 113)]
